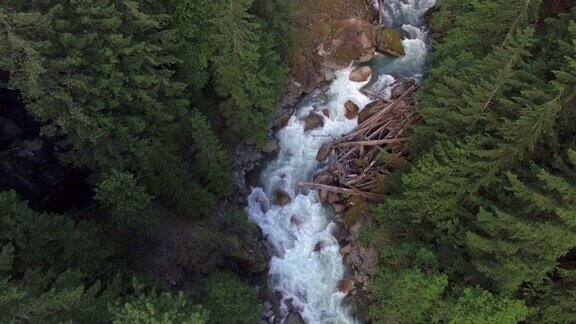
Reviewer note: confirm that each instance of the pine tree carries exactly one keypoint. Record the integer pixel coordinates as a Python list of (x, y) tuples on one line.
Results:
[(475, 305), (241, 80), (130, 206), (409, 296), (150, 306), (213, 163)]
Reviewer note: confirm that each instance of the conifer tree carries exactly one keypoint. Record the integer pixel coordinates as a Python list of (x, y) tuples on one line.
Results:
[(129, 205), (150, 306), (213, 163)]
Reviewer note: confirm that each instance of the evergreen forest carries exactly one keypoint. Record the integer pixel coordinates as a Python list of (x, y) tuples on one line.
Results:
[(123, 124)]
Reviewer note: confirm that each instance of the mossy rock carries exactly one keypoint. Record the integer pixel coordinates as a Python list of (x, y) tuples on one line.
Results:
[(388, 41)]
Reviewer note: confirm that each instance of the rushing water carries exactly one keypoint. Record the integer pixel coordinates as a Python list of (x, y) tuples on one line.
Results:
[(309, 278)]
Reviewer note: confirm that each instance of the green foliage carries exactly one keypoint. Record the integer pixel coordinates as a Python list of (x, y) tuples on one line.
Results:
[(149, 306), (214, 164), (245, 70), (51, 269), (489, 202), (129, 205), (229, 300), (478, 306), (236, 221), (409, 296)]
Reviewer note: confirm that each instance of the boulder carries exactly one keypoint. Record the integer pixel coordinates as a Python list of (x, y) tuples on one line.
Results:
[(281, 122), (346, 286), (351, 109), (323, 153), (319, 246), (401, 88), (313, 121), (339, 208), (271, 148), (326, 112), (294, 318), (356, 39), (281, 198), (370, 110), (388, 41), (345, 250), (361, 74), (328, 74)]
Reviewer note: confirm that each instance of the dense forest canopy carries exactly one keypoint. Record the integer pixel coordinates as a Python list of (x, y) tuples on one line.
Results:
[(481, 228), (141, 95)]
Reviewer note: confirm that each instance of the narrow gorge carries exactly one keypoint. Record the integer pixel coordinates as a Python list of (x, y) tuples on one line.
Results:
[(307, 268)]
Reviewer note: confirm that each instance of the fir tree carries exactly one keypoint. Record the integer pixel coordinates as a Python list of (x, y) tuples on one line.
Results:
[(214, 164)]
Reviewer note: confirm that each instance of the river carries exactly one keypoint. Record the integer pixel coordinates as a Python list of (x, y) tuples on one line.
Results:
[(308, 278)]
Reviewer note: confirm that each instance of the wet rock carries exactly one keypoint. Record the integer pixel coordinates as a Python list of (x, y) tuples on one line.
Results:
[(326, 112), (281, 198), (361, 74), (305, 73), (271, 148), (269, 313), (388, 41), (313, 121), (281, 122), (319, 246), (370, 110), (346, 286), (267, 305), (328, 74), (340, 233), (351, 109), (294, 318), (401, 88), (323, 153), (339, 208), (357, 40), (345, 250)]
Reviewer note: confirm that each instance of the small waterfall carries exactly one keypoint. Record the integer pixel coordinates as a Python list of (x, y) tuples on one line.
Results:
[(308, 278)]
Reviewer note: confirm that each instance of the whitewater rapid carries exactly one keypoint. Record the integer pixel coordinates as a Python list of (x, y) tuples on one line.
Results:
[(305, 278)]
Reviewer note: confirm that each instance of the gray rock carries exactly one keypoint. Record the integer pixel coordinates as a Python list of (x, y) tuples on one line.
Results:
[(271, 148), (313, 121), (294, 318), (361, 74)]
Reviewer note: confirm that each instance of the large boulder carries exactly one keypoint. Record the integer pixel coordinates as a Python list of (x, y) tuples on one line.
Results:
[(361, 74), (313, 121), (357, 40), (388, 41), (351, 109)]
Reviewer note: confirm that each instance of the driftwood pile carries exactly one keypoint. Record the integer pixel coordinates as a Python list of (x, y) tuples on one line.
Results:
[(364, 157)]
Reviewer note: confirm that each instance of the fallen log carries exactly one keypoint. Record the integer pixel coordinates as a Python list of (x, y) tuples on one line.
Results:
[(352, 192), (365, 156)]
